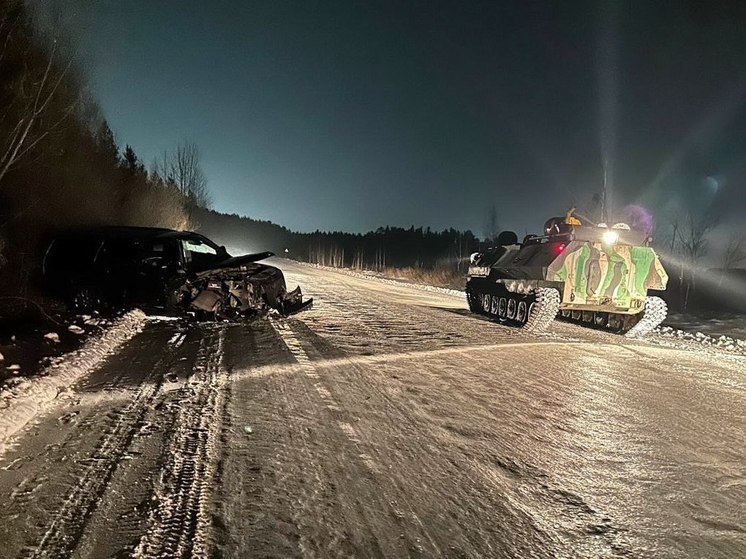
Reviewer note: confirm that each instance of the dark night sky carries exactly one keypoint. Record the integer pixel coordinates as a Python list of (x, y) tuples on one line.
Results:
[(355, 114)]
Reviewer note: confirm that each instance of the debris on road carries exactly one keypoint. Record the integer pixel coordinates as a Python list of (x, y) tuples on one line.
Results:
[(53, 337)]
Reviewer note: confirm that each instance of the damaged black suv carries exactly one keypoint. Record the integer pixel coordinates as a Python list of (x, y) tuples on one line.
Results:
[(112, 268)]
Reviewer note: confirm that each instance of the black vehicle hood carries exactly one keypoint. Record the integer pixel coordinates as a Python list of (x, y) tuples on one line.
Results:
[(235, 262)]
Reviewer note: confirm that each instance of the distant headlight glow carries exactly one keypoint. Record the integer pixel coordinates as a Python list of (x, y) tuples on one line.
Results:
[(610, 237)]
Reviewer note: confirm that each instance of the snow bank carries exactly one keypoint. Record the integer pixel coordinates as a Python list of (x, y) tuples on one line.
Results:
[(23, 399), (721, 342)]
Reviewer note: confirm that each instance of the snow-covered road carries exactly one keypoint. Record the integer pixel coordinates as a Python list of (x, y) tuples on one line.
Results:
[(386, 422)]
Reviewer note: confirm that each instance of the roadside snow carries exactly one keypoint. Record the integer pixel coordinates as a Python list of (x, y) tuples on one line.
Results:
[(24, 399), (722, 342), (374, 276)]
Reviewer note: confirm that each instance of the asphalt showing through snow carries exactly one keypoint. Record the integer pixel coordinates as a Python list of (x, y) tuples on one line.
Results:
[(386, 422)]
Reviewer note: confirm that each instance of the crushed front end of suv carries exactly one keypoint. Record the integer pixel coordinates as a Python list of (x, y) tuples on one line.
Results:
[(113, 268)]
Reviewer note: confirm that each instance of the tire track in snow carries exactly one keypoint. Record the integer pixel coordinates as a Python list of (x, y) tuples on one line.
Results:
[(64, 531), (401, 429), (294, 508), (180, 523), (309, 369)]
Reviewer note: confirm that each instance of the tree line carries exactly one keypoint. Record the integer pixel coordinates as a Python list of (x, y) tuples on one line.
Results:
[(386, 247)]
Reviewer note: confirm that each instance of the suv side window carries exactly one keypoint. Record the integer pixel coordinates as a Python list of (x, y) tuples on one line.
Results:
[(118, 250), (198, 254), (126, 253), (75, 254)]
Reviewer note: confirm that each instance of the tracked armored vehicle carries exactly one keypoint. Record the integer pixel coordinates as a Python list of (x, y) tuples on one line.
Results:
[(593, 275)]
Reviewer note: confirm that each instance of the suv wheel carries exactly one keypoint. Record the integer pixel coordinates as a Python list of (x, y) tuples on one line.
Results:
[(87, 299)]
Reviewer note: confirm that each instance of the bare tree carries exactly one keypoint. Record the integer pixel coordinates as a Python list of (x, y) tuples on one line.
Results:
[(182, 169), (674, 232), (735, 253), (10, 18), (3, 260), (692, 234), (22, 125)]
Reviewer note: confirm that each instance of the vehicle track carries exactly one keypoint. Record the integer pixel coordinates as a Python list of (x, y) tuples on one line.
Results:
[(95, 470), (345, 423), (180, 523)]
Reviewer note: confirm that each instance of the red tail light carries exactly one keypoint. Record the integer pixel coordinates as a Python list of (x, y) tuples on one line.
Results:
[(558, 248)]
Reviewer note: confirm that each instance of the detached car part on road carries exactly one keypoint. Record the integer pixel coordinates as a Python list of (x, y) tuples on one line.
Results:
[(593, 275), (111, 268)]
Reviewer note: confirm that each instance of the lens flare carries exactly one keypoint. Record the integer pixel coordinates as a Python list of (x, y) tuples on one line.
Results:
[(639, 218)]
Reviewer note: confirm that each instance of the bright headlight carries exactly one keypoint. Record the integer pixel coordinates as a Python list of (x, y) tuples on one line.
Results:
[(610, 237)]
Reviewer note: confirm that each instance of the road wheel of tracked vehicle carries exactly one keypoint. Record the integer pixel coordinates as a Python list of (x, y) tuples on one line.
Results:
[(521, 313), (615, 322), (587, 316), (486, 302), (86, 299), (512, 307), (495, 304), (576, 315), (600, 319), (565, 314), (502, 307)]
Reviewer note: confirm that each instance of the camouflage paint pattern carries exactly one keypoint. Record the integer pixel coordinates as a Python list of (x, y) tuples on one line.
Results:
[(610, 277)]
